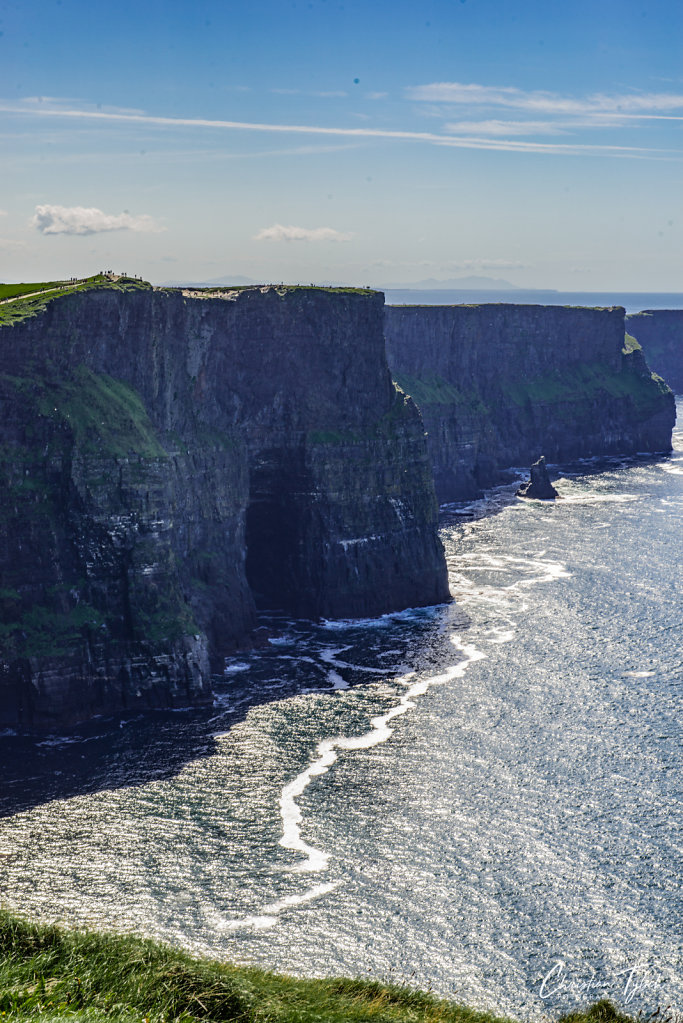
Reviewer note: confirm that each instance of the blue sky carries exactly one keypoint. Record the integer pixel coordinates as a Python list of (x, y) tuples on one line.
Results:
[(367, 143)]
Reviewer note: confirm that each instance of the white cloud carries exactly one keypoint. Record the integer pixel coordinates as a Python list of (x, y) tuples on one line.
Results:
[(280, 233), (497, 127), (87, 220), (3, 213), (471, 94)]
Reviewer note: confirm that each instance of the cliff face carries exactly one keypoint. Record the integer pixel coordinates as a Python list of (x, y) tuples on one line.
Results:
[(660, 332), (170, 461), (499, 385)]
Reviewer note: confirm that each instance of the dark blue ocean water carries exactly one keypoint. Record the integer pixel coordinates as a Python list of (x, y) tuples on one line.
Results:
[(485, 797)]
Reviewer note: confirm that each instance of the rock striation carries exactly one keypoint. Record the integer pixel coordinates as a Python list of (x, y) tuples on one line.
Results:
[(660, 332), (499, 384), (169, 462)]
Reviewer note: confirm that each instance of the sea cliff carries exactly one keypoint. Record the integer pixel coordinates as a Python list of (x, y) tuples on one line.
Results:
[(660, 332), (170, 461), (499, 385)]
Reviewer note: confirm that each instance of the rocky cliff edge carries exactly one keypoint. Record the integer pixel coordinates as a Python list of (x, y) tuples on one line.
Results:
[(170, 461)]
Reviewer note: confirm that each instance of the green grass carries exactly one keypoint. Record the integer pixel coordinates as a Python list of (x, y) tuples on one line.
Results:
[(33, 304), (432, 389), (631, 345), (584, 382), (51, 974), (14, 290), (106, 416), (43, 631), (23, 308)]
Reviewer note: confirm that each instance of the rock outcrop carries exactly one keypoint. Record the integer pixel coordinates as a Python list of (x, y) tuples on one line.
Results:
[(660, 332), (171, 461), (538, 486), (498, 384)]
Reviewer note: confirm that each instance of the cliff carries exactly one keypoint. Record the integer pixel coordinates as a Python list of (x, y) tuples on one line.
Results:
[(660, 332), (171, 461), (499, 385)]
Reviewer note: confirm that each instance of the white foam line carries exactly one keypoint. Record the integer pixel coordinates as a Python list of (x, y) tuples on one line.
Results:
[(268, 918), (329, 656), (316, 859)]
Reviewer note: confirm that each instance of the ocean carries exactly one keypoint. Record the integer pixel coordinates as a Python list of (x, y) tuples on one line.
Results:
[(483, 798)]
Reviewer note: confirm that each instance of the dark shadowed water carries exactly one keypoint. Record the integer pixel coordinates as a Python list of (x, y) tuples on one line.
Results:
[(485, 798)]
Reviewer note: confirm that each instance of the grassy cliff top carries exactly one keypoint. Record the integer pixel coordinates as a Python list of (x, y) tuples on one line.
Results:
[(282, 289), (19, 301), (51, 974)]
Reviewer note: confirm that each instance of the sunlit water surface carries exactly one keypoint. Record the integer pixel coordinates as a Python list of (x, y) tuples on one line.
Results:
[(485, 798)]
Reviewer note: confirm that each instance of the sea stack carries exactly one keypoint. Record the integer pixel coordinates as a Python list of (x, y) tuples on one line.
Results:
[(538, 486)]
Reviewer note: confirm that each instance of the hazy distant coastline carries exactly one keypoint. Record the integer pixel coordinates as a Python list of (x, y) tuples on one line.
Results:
[(472, 291), (633, 302)]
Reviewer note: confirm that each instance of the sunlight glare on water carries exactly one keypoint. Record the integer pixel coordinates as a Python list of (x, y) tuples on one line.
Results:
[(461, 797)]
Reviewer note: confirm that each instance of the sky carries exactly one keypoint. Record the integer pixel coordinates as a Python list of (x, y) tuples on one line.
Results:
[(342, 141)]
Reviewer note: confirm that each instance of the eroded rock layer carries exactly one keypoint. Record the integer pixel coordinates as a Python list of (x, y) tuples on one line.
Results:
[(499, 385), (169, 461)]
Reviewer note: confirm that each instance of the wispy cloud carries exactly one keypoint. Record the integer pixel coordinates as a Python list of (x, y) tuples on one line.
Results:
[(458, 141), (87, 220), (281, 233), (471, 94), (498, 127), (3, 213)]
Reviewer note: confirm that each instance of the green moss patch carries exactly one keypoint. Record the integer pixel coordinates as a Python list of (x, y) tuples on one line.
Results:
[(43, 631), (584, 382), (106, 417), (432, 389)]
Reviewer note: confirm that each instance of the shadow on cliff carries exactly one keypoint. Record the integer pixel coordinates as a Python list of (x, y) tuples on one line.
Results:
[(300, 656)]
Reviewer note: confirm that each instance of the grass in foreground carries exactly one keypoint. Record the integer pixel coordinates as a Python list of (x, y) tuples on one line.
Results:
[(51, 974)]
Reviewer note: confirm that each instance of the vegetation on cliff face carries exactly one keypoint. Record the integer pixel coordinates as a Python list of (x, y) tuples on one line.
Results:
[(584, 382), (631, 345), (500, 384), (432, 389), (105, 416), (51, 974), (660, 332)]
